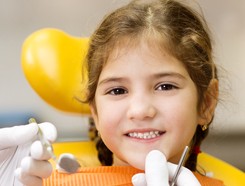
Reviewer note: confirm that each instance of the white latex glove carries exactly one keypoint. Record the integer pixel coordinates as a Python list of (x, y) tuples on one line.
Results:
[(17, 135), (35, 167), (15, 144), (158, 172)]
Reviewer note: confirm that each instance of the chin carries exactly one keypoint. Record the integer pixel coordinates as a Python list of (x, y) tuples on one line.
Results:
[(138, 163), (140, 167)]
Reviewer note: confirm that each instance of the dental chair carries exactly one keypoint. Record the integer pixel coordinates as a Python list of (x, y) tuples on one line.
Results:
[(52, 62)]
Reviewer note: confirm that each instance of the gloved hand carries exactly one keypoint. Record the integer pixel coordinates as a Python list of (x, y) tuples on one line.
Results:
[(36, 166), (158, 172), (16, 144)]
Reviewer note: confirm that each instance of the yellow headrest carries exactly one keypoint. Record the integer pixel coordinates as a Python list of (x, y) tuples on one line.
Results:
[(52, 63)]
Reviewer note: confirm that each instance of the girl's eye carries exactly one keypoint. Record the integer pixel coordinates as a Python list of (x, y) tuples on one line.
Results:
[(117, 91), (166, 87)]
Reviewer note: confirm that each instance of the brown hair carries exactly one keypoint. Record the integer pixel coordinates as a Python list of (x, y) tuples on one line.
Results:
[(177, 28)]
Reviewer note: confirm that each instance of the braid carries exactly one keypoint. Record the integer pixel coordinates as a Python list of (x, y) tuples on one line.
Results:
[(199, 136), (104, 154)]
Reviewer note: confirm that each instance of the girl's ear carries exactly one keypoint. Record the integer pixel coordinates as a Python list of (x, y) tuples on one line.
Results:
[(94, 114), (209, 103)]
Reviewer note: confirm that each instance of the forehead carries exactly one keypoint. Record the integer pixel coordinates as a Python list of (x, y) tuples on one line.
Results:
[(142, 42), (141, 59), (153, 45)]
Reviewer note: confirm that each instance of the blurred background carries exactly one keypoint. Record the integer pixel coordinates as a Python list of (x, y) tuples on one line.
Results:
[(18, 102)]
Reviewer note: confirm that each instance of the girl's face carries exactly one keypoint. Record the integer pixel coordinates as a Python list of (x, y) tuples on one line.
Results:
[(145, 100)]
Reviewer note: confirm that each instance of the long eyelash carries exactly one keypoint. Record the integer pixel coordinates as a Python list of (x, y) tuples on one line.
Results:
[(112, 91), (167, 85)]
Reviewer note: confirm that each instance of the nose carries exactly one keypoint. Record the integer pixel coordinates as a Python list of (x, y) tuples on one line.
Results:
[(141, 108)]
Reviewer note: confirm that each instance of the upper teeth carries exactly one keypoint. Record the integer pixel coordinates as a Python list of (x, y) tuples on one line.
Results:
[(144, 135)]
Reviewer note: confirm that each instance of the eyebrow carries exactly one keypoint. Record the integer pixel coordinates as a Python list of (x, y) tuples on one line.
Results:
[(169, 74), (111, 79)]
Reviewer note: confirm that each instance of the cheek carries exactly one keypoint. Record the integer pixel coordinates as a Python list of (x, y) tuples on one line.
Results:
[(184, 118), (108, 117), (182, 128)]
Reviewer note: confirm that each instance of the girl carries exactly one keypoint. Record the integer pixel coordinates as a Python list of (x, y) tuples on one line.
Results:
[(152, 85), (152, 82)]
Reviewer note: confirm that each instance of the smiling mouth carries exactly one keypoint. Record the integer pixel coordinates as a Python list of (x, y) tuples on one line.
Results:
[(145, 135)]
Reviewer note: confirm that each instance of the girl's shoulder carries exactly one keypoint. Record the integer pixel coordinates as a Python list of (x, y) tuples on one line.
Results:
[(208, 181)]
